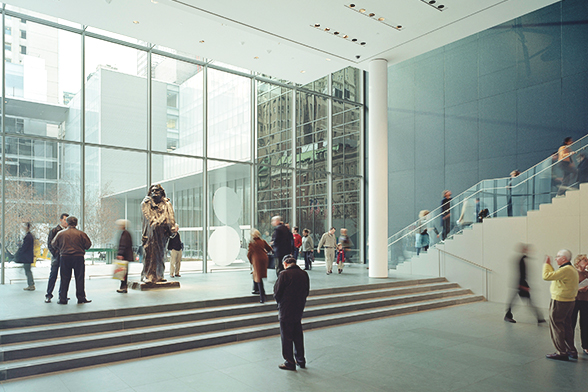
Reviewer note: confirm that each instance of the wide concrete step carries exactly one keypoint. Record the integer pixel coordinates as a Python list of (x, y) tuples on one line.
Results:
[(67, 318), (58, 362), (50, 331), (265, 314)]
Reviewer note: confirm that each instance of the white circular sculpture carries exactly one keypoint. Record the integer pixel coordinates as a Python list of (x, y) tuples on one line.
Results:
[(223, 246), (227, 206)]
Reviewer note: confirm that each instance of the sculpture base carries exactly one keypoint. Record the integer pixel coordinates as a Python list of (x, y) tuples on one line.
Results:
[(144, 286)]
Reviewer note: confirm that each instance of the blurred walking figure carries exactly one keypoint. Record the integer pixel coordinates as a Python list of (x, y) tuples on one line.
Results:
[(175, 246), (445, 214), (523, 291), (307, 249), (422, 238), (513, 174), (346, 245), (54, 256), (581, 307), (26, 256), (566, 164), (257, 256), (125, 250)]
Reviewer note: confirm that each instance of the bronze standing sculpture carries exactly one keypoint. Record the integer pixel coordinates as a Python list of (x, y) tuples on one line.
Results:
[(157, 219)]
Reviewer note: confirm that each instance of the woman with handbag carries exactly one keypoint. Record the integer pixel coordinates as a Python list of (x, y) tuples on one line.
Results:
[(26, 256), (257, 256)]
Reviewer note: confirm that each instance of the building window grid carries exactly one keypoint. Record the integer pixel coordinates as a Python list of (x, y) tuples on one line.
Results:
[(280, 198)]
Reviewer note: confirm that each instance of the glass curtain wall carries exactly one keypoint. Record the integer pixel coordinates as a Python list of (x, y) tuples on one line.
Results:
[(91, 118)]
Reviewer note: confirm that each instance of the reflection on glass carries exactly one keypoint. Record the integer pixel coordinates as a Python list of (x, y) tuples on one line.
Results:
[(312, 202), (347, 210), (274, 132), (346, 138), (41, 80), (274, 192), (229, 116), (311, 132), (177, 106), (38, 185), (115, 185), (116, 94), (229, 182)]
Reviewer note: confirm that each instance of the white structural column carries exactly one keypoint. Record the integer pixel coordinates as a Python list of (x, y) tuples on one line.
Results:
[(378, 169)]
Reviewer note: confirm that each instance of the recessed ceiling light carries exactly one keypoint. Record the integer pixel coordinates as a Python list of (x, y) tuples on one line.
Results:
[(354, 40), (336, 33), (201, 41), (372, 14), (317, 25), (381, 19), (441, 6), (328, 59), (351, 5), (345, 36), (363, 43), (432, 2), (362, 10), (399, 27), (327, 29), (256, 58), (136, 22), (303, 71), (154, 1)]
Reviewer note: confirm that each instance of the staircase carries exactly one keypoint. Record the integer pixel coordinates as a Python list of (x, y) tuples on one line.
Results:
[(31, 346)]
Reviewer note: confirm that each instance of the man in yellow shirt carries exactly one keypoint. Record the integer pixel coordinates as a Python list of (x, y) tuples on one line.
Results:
[(564, 288)]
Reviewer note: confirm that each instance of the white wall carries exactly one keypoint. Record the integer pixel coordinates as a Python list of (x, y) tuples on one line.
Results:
[(494, 244)]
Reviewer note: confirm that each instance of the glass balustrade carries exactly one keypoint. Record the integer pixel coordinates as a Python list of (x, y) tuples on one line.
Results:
[(498, 197)]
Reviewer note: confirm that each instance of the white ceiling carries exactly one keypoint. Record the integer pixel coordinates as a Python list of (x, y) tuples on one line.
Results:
[(278, 37)]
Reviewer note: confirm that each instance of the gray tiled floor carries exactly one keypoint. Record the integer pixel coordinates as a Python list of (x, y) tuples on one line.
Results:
[(463, 348)]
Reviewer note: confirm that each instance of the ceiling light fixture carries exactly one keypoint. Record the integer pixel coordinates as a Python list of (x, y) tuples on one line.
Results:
[(373, 15), (336, 33), (303, 71), (256, 58), (433, 4), (201, 41), (136, 22)]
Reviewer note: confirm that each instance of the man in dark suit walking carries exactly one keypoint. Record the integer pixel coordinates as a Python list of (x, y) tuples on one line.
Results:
[(282, 241), (290, 292)]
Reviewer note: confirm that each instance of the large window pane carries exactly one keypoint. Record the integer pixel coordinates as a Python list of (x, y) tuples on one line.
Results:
[(229, 116), (274, 129), (41, 183), (274, 196), (347, 210), (116, 183), (182, 180), (229, 215), (42, 80), (346, 138), (311, 131), (177, 106), (116, 94), (312, 202)]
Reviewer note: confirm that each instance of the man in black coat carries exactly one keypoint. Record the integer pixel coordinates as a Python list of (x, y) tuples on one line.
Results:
[(72, 245), (26, 255), (290, 292), (54, 256), (282, 241), (125, 251)]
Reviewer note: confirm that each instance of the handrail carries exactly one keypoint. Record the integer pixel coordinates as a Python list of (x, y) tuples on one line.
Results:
[(433, 212), (467, 261)]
